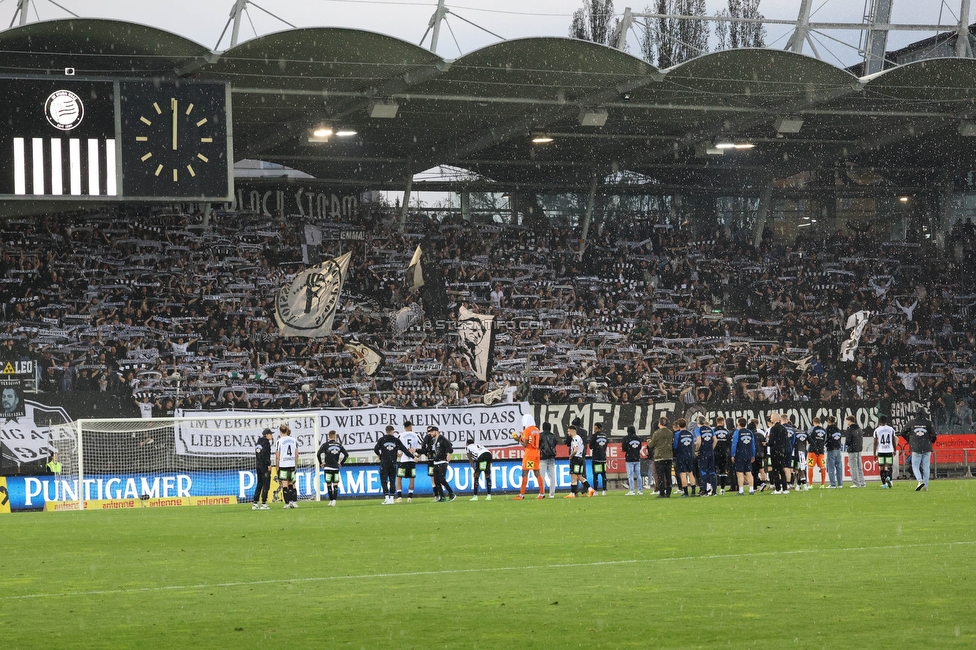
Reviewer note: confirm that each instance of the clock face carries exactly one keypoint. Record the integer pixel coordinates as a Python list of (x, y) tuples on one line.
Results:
[(174, 140)]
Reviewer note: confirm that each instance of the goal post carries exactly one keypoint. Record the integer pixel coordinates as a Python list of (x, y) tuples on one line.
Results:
[(170, 461)]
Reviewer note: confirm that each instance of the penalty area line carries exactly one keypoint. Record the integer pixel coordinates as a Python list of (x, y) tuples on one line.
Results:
[(445, 572)]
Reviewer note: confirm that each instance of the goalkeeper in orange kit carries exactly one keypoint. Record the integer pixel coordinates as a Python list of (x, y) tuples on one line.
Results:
[(529, 439)]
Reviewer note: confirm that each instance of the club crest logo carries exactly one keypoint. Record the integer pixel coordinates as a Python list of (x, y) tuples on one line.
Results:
[(64, 110)]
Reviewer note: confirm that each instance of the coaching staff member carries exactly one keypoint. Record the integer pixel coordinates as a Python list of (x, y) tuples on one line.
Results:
[(262, 467)]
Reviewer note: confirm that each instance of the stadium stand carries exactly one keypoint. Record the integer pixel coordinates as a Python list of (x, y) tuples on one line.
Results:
[(118, 301)]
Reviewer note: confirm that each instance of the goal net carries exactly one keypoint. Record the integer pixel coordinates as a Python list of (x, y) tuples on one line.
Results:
[(166, 461)]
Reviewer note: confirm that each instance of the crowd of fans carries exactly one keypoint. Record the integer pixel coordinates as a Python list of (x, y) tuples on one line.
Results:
[(178, 311)]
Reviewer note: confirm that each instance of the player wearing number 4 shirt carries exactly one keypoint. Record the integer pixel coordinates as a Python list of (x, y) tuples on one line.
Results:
[(577, 464), (332, 455), (884, 449), (286, 458)]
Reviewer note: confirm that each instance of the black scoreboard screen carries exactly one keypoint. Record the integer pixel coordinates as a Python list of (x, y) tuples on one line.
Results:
[(78, 139)]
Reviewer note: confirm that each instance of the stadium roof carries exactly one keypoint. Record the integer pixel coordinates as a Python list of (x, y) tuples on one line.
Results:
[(481, 111)]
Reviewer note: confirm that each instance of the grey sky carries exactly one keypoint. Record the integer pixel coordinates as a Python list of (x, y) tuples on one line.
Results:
[(203, 20)]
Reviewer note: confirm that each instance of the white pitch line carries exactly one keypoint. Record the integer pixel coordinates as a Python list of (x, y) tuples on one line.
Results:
[(537, 567)]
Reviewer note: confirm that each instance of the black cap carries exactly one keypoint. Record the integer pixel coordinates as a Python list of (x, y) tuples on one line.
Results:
[(577, 422), (267, 432)]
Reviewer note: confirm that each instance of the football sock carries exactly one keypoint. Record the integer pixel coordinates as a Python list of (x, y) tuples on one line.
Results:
[(410, 494), (525, 484), (399, 493), (586, 486)]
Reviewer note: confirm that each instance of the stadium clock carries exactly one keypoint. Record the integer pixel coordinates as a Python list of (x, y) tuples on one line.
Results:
[(174, 140)]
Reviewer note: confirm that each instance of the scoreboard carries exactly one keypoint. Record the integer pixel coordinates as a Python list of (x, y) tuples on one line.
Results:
[(115, 139)]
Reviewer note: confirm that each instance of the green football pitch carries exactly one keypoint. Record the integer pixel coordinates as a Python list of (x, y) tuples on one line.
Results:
[(865, 568)]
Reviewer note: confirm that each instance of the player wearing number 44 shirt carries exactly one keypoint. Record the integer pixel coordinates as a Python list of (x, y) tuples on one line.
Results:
[(286, 458), (884, 448), (332, 455), (407, 467)]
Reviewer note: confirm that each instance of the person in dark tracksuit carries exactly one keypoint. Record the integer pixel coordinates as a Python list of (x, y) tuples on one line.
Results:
[(779, 452), (262, 467), (438, 450), (723, 456), (598, 455)]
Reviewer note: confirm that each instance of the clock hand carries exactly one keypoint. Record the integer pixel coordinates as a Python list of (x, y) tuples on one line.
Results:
[(172, 103)]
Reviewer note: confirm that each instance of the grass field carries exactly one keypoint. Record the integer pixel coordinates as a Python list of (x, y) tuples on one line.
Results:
[(823, 569)]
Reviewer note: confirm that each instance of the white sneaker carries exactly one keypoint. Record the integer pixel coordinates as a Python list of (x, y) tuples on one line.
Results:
[(473, 499), (488, 498), (398, 500), (332, 503), (604, 493), (408, 499), (629, 494), (264, 506), (387, 501), (639, 493), (255, 507), (294, 505), (777, 492)]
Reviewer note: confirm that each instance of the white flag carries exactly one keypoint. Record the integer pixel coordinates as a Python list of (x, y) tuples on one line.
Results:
[(415, 272), (476, 341), (856, 323), (307, 305), (364, 356)]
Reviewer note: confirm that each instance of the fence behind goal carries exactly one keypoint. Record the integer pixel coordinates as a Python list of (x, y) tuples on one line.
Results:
[(142, 458)]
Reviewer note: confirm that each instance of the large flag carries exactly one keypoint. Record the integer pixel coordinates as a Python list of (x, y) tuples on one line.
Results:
[(307, 305), (476, 341), (425, 276), (856, 323), (415, 272), (365, 357)]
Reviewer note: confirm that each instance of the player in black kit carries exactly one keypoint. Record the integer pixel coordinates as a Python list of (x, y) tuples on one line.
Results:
[(598, 454), (386, 448), (723, 453), (332, 455), (262, 467)]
